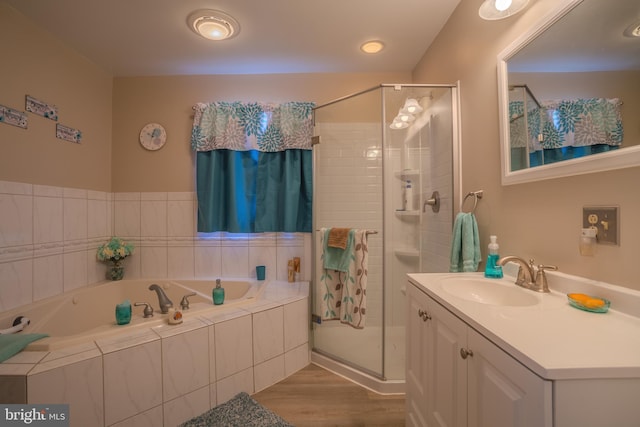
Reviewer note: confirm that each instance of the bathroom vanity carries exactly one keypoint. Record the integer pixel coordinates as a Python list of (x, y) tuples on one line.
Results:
[(485, 352)]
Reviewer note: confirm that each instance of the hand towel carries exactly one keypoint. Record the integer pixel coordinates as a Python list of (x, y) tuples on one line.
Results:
[(338, 238), (465, 244), (12, 344), (343, 295), (336, 258)]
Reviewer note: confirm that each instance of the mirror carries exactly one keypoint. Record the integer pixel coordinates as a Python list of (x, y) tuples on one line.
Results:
[(569, 93)]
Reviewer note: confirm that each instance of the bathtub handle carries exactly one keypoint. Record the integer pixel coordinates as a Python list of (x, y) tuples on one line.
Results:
[(148, 310), (184, 304)]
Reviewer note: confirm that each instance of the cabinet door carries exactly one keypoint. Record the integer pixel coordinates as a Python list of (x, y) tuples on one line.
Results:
[(446, 371), (502, 392), (417, 347)]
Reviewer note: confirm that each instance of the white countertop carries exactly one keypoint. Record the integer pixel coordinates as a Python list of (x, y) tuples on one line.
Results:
[(553, 339)]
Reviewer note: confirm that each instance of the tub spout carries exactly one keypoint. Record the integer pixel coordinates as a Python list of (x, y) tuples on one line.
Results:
[(163, 300)]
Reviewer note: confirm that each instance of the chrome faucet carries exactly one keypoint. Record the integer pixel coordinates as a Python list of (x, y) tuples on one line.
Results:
[(163, 300), (528, 276)]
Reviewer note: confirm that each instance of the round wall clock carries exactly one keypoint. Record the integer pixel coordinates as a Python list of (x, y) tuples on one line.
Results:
[(153, 136)]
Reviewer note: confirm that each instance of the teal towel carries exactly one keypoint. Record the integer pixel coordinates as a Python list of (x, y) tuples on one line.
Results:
[(12, 344), (465, 244), (336, 258)]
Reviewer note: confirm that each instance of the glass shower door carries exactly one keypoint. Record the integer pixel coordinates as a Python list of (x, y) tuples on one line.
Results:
[(348, 180)]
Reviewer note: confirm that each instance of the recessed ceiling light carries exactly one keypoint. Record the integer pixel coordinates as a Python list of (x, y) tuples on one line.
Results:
[(373, 46), (633, 30), (213, 24), (500, 9)]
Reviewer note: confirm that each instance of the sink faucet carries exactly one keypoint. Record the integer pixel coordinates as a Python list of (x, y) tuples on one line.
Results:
[(163, 299), (528, 276)]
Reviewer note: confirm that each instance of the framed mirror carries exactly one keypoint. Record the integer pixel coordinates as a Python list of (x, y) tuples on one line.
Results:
[(569, 92)]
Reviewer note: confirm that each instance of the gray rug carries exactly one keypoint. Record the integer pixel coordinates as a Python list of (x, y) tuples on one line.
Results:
[(240, 411)]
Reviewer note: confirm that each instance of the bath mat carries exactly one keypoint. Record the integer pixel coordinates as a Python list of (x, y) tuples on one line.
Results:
[(240, 411)]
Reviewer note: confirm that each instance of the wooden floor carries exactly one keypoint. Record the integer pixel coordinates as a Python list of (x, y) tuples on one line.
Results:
[(315, 397)]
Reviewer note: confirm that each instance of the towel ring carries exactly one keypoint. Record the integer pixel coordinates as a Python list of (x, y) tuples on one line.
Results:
[(476, 195)]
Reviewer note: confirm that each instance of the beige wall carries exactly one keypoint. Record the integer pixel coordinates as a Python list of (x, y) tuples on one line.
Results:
[(33, 63), (540, 220), (169, 101)]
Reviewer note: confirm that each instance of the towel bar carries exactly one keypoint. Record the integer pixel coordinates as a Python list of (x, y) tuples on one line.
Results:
[(368, 231), (476, 195)]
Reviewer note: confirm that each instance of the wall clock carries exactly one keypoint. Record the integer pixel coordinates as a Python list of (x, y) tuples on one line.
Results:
[(153, 136)]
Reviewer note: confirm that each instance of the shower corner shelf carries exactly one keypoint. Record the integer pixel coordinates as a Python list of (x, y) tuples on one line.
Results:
[(409, 253), (407, 172), (407, 213)]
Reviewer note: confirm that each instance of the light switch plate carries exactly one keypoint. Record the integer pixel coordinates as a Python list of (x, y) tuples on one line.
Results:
[(606, 219)]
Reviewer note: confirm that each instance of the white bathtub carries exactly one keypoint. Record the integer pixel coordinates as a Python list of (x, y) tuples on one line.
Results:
[(88, 313)]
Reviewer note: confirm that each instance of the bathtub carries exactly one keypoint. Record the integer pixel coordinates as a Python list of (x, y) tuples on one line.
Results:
[(88, 314)]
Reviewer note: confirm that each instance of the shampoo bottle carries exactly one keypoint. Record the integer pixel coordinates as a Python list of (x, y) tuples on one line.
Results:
[(408, 196), (492, 270), (218, 293)]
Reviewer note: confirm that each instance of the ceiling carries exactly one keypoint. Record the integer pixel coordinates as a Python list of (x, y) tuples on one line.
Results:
[(151, 37)]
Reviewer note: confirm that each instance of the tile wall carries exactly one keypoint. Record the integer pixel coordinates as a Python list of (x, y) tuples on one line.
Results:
[(49, 236)]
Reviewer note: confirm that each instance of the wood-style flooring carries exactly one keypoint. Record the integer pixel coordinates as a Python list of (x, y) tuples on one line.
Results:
[(315, 397)]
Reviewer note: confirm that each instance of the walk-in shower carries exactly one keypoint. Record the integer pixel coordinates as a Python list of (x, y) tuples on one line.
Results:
[(367, 151)]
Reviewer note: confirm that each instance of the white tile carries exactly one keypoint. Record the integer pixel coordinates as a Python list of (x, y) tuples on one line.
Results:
[(151, 418), (296, 359), (75, 219), (180, 262), (16, 284), (153, 261), (132, 381), (268, 336), (268, 373), (227, 388), (296, 324), (186, 407), (78, 384), (96, 270), (127, 218), (74, 270), (97, 219), (185, 363), (235, 261), (157, 196), (181, 218), (47, 276), (9, 187), (153, 218), (212, 355), (233, 347), (47, 219), (16, 227), (207, 262)]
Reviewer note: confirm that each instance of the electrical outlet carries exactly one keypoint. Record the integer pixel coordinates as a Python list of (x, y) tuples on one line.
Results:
[(605, 219)]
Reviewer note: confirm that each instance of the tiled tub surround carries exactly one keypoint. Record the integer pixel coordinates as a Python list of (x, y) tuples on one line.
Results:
[(166, 374), (49, 237)]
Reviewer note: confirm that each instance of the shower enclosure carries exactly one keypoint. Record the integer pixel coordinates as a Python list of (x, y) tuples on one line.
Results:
[(368, 148)]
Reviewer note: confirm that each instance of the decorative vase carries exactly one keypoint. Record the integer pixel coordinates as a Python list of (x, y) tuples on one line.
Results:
[(115, 271)]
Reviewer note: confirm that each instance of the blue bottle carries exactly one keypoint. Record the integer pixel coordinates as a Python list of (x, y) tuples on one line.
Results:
[(492, 270), (218, 293)]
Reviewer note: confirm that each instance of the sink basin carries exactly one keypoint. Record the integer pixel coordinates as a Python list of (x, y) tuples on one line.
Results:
[(488, 291)]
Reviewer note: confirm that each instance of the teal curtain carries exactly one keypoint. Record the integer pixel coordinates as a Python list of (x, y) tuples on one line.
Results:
[(253, 167)]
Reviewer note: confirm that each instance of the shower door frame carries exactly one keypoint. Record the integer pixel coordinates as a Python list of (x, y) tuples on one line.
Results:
[(456, 160)]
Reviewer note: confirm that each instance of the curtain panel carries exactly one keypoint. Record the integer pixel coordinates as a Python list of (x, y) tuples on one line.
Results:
[(253, 166)]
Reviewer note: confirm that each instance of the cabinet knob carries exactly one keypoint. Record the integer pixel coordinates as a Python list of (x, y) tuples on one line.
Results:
[(424, 315), (464, 353)]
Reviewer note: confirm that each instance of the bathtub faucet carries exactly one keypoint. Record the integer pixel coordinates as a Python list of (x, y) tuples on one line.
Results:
[(163, 299)]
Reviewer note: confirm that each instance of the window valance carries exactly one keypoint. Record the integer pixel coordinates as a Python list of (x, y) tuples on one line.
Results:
[(256, 126)]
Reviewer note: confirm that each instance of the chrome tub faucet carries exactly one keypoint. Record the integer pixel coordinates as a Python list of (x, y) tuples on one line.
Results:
[(163, 300)]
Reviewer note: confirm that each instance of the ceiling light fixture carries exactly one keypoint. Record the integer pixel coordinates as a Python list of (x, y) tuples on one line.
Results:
[(633, 30), (411, 106), (372, 46), (398, 124), (492, 10), (213, 24)]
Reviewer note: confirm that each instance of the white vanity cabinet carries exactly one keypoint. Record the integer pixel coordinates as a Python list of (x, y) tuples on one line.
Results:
[(456, 377)]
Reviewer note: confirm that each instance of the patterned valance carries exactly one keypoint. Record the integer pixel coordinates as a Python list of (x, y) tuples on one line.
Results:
[(567, 123), (257, 126)]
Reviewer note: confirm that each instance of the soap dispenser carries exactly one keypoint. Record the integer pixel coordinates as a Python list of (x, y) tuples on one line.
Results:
[(218, 293), (492, 270)]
